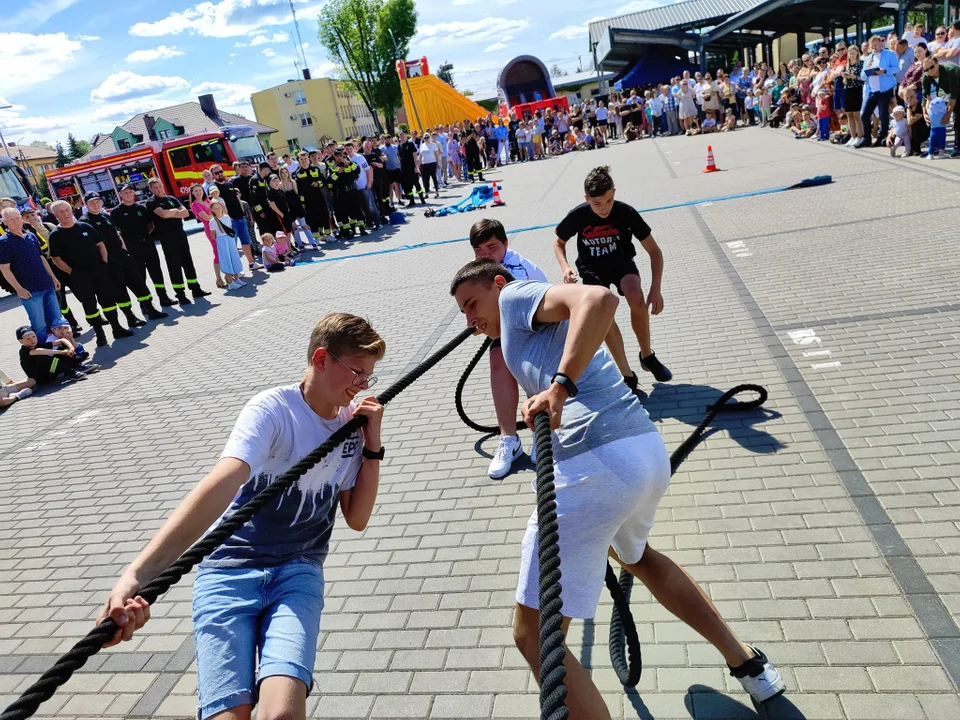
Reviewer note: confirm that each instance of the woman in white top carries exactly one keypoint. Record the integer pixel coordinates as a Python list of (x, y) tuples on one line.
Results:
[(709, 93), (429, 156), (602, 119), (453, 156)]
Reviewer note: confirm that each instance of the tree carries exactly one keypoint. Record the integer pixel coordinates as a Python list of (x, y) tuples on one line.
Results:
[(62, 159), (76, 149), (356, 35), (445, 73), (41, 144), (557, 71), (468, 93)]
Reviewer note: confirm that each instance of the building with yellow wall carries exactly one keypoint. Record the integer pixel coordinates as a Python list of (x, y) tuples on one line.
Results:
[(307, 111)]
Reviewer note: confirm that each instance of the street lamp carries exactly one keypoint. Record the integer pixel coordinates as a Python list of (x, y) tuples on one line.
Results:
[(5, 107)]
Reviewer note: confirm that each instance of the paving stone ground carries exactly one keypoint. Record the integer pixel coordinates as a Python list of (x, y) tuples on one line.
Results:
[(826, 527)]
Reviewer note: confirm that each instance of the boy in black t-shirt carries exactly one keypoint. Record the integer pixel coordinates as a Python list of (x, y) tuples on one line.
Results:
[(605, 229), (45, 362)]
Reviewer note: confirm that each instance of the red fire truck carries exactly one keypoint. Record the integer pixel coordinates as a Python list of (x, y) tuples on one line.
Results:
[(179, 162)]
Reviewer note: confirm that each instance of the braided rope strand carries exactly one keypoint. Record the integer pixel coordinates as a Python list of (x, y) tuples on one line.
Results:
[(71, 661), (458, 394), (553, 691)]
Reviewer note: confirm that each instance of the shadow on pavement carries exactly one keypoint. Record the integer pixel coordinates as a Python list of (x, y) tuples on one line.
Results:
[(688, 404)]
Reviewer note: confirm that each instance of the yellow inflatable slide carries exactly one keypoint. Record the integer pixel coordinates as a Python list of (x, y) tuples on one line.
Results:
[(436, 102)]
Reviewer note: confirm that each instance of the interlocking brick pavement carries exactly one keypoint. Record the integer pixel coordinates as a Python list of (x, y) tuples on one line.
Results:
[(826, 528)]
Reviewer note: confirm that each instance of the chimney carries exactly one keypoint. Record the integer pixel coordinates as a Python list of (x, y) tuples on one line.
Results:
[(306, 73), (149, 121), (208, 106)]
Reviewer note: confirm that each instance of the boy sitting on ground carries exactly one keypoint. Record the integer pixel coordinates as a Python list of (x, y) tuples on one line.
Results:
[(11, 392), (489, 240), (45, 362), (257, 598), (61, 330)]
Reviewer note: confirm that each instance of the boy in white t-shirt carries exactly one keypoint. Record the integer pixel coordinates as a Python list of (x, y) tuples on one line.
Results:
[(257, 598), (489, 241)]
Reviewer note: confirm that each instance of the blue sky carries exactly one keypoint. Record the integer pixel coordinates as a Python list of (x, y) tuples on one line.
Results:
[(87, 65)]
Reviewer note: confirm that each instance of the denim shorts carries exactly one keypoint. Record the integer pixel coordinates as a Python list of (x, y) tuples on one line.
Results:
[(241, 615)]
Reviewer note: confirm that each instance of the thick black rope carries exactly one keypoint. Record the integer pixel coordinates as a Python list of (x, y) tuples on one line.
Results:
[(44, 688), (624, 642), (553, 691), (622, 627)]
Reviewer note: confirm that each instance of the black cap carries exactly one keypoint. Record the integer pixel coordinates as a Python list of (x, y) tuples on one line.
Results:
[(265, 166), (92, 196), (23, 330), (126, 186), (338, 151)]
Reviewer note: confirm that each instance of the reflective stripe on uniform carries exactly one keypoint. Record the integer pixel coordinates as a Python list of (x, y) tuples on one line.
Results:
[(112, 308), (192, 281), (124, 304), (145, 298), (53, 364), (177, 287), (90, 316), (159, 286)]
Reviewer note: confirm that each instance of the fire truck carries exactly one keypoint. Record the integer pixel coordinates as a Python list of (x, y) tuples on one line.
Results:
[(14, 183), (178, 162)]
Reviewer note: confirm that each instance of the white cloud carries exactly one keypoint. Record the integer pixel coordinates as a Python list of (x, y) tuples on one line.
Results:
[(126, 85), (459, 32), (499, 45), (38, 12), (636, 6), (161, 52), (229, 96), (268, 52), (88, 38), (280, 37), (573, 32), (499, 3), (260, 40), (29, 60), (227, 18)]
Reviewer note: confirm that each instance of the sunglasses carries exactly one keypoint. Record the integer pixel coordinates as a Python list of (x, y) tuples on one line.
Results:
[(941, 33), (359, 379)]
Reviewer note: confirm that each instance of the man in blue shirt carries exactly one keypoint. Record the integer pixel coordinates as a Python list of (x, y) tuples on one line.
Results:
[(26, 270), (879, 73)]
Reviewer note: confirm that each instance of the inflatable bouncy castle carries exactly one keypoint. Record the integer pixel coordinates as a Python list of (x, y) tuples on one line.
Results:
[(428, 97)]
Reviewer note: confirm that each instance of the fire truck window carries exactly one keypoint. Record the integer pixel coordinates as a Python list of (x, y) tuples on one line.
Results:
[(180, 157), (213, 152)]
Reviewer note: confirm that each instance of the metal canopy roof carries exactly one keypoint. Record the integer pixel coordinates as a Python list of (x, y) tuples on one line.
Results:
[(676, 16)]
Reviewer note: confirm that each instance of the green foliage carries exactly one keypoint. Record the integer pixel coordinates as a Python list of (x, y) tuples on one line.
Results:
[(403, 127), (62, 159), (76, 149), (42, 186), (444, 72), (557, 71), (356, 36), (41, 144)]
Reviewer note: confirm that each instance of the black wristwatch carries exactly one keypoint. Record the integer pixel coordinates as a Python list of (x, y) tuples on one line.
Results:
[(567, 384), (370, 455)]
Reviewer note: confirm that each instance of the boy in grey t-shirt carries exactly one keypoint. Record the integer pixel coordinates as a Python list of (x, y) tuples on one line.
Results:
[(611, 468)]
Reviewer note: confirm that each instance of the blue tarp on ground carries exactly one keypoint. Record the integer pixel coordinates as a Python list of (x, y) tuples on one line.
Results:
[(653, 68), (480, 196)]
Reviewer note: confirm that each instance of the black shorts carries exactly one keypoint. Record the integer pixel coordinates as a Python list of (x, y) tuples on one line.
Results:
[(592, 122), (602, 123), (395, 176), (608, 274)]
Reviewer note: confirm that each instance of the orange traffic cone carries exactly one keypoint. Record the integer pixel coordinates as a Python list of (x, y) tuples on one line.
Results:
[(497, 202), (711, 163)]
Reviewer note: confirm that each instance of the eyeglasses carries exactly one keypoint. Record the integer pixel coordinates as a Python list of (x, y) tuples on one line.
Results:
[(359, 379), (941, 33)]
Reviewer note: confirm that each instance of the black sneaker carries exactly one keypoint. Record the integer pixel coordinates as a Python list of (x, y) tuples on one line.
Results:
[(652, 365), (89, 368), (632, 382), (74, 375)]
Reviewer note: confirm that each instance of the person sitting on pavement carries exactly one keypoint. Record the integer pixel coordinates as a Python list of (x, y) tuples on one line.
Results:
[(13, 391), (61, 330), (46, 362)]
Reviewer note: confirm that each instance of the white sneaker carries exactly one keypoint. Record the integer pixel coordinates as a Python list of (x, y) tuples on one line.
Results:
[(508, 450), (859, 142), (256, 266), (240, 283), (233, 285), (759, 677), (851, 142), (25, 393)]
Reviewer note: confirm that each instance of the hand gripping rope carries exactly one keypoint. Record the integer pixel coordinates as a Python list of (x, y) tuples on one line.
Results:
[(623, 630), (44, 688)]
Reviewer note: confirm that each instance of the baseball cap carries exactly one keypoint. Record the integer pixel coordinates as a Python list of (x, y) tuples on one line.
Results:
[(23, 330), (60, 322), (126, 186), (338, 151), (899, 109), (92, 196)]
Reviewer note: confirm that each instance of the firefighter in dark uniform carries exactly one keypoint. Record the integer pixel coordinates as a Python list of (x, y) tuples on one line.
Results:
[(134, 223), (310, 182), (348, 207), (76, 248), (259, 187), (324, 162), (410, 169), (123, 269), (474, 157), (168, 214)]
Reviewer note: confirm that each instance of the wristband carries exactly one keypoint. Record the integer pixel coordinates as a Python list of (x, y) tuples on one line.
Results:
[(370, 455), (566, 383)]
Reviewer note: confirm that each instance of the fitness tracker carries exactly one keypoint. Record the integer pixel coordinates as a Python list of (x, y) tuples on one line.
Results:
[(370, 455), (567, 384)]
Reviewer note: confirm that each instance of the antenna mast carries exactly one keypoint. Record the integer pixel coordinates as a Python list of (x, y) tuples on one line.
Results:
[(300, 58)]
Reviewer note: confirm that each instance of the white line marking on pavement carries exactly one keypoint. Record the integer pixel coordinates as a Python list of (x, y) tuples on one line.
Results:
[(816, 353), (824, 366)]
